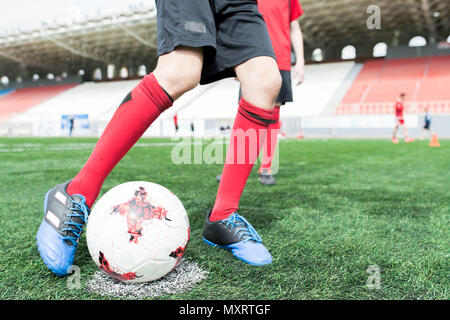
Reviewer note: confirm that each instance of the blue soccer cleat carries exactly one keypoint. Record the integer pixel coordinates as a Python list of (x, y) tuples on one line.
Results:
[(58, 236), (236, 235)]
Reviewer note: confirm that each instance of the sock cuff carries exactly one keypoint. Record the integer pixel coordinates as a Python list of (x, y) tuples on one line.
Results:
[(152, 89), (257, 115), (276, 126)]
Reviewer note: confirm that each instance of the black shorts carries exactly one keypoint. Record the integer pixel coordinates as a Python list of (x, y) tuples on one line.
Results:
[(285, 94), (427, 125), (231, 31)]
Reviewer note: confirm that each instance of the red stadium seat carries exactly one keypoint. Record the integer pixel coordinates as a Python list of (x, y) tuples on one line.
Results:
[(424, 80), (27, 98)]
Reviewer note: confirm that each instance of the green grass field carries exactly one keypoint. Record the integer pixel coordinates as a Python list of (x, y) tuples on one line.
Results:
[(340, 206)]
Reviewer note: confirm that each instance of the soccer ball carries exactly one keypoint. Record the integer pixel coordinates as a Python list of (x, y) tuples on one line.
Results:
[(137, 232)]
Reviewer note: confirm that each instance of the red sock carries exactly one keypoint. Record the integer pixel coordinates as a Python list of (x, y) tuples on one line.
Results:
[(136, 113), (250, 126), (271, 141)]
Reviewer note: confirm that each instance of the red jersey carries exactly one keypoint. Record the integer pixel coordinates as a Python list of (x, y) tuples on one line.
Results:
[(399, 107), (278, 15)]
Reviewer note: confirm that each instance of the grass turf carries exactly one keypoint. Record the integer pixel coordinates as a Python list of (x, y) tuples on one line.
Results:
[(339, 207)]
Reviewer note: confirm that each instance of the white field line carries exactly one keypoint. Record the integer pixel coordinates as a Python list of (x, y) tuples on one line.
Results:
[(82, 146)]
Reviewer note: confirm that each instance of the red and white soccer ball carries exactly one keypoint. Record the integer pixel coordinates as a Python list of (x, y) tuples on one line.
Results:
[(137, 232)]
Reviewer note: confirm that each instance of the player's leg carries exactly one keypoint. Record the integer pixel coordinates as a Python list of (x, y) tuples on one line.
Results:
[(405, 135), (270, 145), (244, 45), (176, 72), (424, 130), (260, 81), (154, 94), (394, 134), (66, 206), (179, 71)]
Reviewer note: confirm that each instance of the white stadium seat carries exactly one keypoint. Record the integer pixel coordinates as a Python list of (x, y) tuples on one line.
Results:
[(207, 107)]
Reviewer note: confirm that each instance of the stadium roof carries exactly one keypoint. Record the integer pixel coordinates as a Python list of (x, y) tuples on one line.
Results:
[(336, 22), (129, 39)]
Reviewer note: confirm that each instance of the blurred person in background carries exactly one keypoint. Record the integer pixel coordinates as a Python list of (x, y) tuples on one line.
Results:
[(71, 125), (426, 125), (400, 120)]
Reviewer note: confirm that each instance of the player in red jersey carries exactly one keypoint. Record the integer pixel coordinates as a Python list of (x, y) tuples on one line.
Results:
[(285, 33), (399, 120), (175, 122), (284, 29)]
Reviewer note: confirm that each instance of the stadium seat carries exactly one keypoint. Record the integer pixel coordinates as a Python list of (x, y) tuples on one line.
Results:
[(424, 80), (24, 99), (93, 99), (4, 92), (322, 82)]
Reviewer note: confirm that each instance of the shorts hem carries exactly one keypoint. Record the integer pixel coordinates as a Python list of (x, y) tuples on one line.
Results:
[(225, 70), (187, 43), (243, 59)]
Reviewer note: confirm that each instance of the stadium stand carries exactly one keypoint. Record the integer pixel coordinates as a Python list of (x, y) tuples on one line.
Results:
[(24, 99), (214, 106), (374, 87), (435, 87), (207, 107), (321, 83), (89, 98), (424, 80), (5, 92), (74, 49), (220, 100), (185, 108), (94, 99)]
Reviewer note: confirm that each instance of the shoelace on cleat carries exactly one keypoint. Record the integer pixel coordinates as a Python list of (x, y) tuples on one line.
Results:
[(80, 212), (246, 230)]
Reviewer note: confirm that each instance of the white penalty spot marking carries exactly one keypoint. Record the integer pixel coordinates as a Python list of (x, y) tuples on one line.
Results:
[(182, 279)]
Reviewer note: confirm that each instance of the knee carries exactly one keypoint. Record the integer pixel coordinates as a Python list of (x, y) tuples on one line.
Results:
[(268, 80), (261, 85), (272, 83), (184, 78), (177, 79)]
